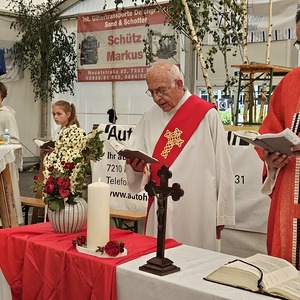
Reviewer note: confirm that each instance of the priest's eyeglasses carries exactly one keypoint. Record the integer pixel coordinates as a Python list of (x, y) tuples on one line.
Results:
[(160, 91), (297, 45)]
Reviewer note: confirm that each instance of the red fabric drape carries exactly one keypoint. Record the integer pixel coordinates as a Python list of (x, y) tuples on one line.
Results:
[(41, 264)]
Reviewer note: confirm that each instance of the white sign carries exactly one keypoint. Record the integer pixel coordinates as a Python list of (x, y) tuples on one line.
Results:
[(111, 170), (251, 206)]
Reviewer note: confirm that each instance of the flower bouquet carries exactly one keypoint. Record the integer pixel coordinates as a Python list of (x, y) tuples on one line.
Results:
[(66, 168)]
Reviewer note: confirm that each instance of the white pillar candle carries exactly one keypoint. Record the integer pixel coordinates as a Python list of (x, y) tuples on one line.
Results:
[(98, 215)]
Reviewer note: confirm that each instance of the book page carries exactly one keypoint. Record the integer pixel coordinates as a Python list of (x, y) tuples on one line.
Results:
[(39, 142), (282, 141), (289, 289), (287, 133), (237, 274), (245, 273), (248, 134), (275, 270), (44, 143)]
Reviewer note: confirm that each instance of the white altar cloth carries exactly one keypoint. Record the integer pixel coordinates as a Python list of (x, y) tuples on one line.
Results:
[(10, 153), (5, 293), (188, 283)]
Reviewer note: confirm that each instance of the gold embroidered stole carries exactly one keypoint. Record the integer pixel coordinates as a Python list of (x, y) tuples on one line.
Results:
[(177, 134)]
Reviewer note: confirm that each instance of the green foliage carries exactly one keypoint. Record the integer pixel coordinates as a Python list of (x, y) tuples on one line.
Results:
[(44, 47), (225, 117), (93, 149), (220, 20)]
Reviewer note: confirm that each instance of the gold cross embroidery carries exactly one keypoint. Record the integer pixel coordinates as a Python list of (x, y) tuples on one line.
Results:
[(173, 139)]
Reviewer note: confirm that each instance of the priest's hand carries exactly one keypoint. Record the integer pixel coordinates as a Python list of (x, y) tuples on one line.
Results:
[(276, 159), (219, 229), (136, 164), (296, 150)]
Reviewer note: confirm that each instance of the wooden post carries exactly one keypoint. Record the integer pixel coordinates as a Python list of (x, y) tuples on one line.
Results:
[(8, 210)]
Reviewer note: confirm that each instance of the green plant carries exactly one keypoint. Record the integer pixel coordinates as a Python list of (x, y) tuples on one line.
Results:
[(225, 117), (44, 48)]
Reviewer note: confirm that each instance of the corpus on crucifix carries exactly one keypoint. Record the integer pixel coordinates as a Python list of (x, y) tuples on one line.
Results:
[(160, 265)]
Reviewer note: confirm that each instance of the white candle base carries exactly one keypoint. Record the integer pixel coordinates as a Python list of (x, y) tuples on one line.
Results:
[(85, 250)]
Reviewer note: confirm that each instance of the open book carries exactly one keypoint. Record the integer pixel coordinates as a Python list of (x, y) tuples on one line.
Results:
[(260, 273), (132, 153), (282, 141), (44, 144)]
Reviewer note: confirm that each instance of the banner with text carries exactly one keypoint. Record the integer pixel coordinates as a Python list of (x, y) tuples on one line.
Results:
[(12, 70), (111, 170), (111, 44)]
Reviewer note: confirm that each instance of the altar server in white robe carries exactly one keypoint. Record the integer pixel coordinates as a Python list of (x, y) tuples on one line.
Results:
[(185, 133)]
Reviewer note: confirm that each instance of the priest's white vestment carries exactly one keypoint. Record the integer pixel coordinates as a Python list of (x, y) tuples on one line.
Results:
[(203, 170)]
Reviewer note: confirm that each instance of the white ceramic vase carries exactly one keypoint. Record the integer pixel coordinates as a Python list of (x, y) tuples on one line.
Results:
[(70, 219)]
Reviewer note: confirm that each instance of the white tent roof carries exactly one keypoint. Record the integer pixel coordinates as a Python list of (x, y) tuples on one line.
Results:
[(71, 8), (90, 6), (64, 4)]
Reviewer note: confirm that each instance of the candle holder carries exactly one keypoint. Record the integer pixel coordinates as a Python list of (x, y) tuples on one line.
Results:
[(85, 250)]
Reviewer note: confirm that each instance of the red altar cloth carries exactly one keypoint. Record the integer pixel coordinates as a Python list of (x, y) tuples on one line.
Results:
[(41, 264)]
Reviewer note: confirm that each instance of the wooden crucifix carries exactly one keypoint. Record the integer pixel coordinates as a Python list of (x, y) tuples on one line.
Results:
[(160, 265)]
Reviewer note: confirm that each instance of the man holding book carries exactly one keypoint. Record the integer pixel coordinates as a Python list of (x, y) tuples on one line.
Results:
[(185, 133), (282, 176)]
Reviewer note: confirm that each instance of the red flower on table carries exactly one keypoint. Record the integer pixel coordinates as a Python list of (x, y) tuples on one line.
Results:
[(112, 248)]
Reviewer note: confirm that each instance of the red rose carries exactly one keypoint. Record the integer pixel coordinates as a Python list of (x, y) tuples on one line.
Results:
[(112, 248), (49, 188), (68, 166), (63, 182), (122, 247), (64, 192), (50, 180), (50, 169), (36, 177), (79, 240)]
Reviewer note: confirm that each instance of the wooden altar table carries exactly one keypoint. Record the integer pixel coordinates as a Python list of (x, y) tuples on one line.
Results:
[(8, 212)]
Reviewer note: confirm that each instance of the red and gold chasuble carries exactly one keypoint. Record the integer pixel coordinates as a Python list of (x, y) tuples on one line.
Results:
[(283, 237), (177, 134)]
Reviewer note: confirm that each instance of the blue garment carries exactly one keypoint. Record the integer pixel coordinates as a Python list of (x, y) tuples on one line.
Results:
[(2, 63)]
